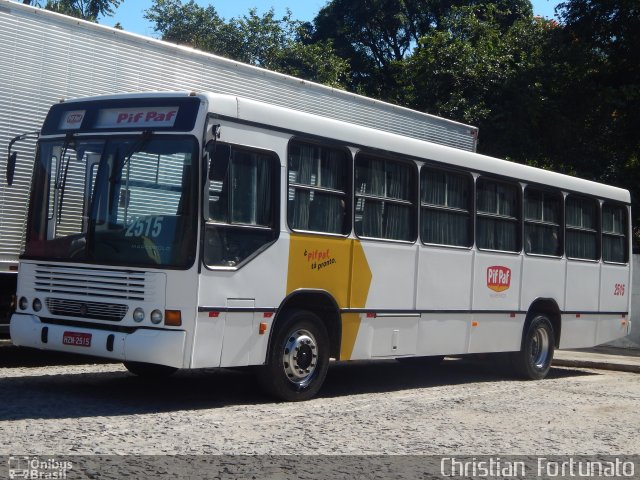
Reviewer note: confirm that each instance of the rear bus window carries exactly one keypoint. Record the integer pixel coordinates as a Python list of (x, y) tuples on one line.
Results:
[(614, 233)]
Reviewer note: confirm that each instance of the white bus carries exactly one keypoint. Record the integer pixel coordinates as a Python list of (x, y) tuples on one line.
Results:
[(183, 230)]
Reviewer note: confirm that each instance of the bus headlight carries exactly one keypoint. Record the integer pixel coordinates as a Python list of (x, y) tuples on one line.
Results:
[(23, 303), (138, 314), (156, 316), (37, 305)]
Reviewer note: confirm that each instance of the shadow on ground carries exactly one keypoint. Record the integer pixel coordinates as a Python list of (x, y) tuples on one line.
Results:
[(61, 394), (19, 357)]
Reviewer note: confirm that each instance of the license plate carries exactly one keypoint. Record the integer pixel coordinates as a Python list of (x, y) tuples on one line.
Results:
[(76, 339)]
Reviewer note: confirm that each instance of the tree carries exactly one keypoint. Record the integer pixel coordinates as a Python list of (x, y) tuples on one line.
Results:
[(282, 44), (376, 36), (85, 9), (485, 65), (599, 89)]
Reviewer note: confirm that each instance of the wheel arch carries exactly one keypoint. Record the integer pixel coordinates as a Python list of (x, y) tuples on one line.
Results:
[(323, 305), (548, 307)]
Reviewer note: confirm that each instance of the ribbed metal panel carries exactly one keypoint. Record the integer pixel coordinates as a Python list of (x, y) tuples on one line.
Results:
[(117, 284), (45, 57)]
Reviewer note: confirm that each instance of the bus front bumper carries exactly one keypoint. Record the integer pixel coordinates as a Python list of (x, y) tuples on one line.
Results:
[(162, 347)]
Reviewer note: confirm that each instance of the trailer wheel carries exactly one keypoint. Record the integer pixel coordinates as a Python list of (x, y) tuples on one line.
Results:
[(298, 358), (533, 361), (149, 370)]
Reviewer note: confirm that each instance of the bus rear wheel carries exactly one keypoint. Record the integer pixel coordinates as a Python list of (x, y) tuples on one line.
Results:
[(149, 370), (533, 361), (298, 358)]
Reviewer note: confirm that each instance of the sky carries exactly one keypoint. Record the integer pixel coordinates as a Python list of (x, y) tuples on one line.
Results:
[(130, 12)]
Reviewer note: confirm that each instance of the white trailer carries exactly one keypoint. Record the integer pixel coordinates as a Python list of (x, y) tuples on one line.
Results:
[(46, 57)]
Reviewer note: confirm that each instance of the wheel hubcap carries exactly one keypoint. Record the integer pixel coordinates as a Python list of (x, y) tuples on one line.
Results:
[(300, 357), (540, 348)]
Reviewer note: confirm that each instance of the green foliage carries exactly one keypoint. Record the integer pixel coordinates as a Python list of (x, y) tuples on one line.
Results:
[(376, 36), (486, 66), (277, 44), (85, 9), (598, 87)]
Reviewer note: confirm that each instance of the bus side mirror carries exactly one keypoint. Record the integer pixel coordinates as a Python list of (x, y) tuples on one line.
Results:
[(11, 167), (13, 157)]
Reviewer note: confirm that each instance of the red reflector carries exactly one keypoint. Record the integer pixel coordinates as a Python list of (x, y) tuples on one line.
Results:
[(577, 315), (13, 268), (371, 315), (513, 315), (267, 314), (214, 314)]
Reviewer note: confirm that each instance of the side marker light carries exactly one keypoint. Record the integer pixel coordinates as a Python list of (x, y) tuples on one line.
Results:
[(173, 318)]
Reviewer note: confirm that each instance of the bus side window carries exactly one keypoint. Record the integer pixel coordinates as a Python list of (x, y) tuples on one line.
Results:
[(498, 215), (318, 193), (385, 198), (542, 220), (445, 204), (582, 228), (243, 211)]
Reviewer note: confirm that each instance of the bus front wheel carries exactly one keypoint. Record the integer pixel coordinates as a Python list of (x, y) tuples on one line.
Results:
[(298, 358), (533, 361)]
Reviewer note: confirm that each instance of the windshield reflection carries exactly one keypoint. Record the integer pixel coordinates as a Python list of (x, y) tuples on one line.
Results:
[(125, 200)]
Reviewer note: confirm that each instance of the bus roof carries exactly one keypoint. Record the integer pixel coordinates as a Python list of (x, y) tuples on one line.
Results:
[(356, 135), (295, 121)]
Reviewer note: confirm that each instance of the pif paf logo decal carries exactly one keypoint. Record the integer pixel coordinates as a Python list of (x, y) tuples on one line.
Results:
[(498, 278)]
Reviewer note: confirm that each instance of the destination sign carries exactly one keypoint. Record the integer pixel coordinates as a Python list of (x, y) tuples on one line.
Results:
[(145, 117)]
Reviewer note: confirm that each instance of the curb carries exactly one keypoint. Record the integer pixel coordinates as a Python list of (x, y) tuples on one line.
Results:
[(596, 365)]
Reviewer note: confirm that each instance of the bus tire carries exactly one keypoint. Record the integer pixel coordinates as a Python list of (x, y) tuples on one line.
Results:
[(149, 370), (298, 358), (533, 361)]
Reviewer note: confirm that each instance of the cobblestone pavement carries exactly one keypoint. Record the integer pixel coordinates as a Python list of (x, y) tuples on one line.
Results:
[(57, 404)]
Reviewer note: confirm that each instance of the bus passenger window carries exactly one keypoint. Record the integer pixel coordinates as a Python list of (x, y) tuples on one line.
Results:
[(614, 233), (242, 207), (318, 190), (498, 215), (445, 200), (542, 214), (385, 199), (582, 228)]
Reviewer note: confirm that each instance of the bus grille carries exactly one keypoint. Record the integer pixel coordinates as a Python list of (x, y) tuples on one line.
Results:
[(98, 311), (90, 282)]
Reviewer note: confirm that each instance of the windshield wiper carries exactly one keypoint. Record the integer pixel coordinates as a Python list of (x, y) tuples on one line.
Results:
[(135, 147), (61, 183)]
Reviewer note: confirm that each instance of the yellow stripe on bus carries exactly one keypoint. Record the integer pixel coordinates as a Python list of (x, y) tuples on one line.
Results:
[(338, 266)]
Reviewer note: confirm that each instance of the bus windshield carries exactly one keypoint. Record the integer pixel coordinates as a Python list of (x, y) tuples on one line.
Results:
[(126, 200)]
